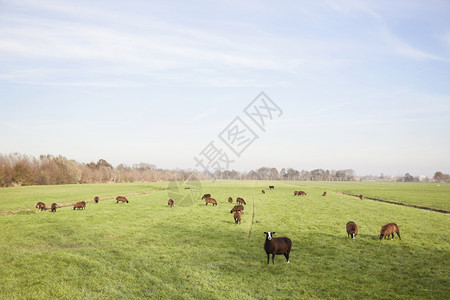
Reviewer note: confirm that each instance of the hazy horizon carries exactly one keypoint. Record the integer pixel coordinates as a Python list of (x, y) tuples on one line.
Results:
[(359, 85)]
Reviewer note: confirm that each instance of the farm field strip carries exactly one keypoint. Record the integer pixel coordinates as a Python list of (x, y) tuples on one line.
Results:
[(434, 196)]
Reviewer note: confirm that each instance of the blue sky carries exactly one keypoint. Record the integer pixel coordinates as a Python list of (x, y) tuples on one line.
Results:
[(362, 85)]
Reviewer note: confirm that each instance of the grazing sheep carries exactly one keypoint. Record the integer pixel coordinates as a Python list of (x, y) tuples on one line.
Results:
[(121, 199), (361, 197), (324, 194), (352, 229), (263, 191), (271, 187), (237, 208), (41, 206), (211, 200), (230, 200), (280, 245), (170, 202), (295, 193), (301, 193), (240, 201), (237, 217), (96, 199), (206, 196), (388, 229), (54, 207), (79, 205)]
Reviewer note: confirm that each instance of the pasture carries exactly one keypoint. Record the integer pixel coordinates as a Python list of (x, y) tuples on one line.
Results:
[(425, 194), (145, 249)]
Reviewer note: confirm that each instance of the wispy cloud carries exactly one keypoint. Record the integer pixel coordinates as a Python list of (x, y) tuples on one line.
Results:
[(155, 48), (403, 48)]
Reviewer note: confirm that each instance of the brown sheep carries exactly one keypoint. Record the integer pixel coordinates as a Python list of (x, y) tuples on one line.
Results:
[(237, 217), (206, 196), (295, 193), (211, 200), (280, 245), (271, 187), (301, 193), (121, 199), (237, 208), (96, 199), (54, 207), (361, 197), (170, 202), (263, 191), (352, 229), (230, 200), (41, 206), (79, 205), (324, 194), (240, 201), (388, 229)]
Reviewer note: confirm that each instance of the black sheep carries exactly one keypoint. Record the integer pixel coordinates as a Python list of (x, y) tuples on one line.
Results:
[(279, 245)]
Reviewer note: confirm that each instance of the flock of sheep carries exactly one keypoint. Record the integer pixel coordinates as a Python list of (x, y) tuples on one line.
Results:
[(274, 246), (40, 206), (283, 245), (237, 209)]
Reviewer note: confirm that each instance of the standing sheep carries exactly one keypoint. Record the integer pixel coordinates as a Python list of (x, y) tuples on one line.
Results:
[(280, 245), (41, 206), (240, 201), (237, 217), (389, 229), (121, 199), (237, 208), (79, 205), (352, 229), (211, 200)]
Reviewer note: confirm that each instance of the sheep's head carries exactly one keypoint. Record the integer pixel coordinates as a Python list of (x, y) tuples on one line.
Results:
[(269, 235)]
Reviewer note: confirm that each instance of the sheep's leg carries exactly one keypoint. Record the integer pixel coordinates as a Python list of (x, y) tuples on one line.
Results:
[(287, 256), (398, 233), (268, 257), (273, 257)]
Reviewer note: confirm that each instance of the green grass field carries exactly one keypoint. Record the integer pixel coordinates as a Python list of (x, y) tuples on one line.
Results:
[(432, 195), (144, 249)]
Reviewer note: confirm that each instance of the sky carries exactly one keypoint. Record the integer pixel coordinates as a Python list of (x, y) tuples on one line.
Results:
[(360, 85)]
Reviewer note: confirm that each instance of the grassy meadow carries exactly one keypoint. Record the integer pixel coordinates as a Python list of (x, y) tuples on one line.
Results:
[(144, 249), (427, 194)]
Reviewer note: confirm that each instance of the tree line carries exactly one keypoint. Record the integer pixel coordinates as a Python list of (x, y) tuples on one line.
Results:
[(18, 169)]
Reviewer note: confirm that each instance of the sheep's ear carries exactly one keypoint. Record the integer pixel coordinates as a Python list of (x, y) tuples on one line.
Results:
[(273, 232), (265, 232)]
